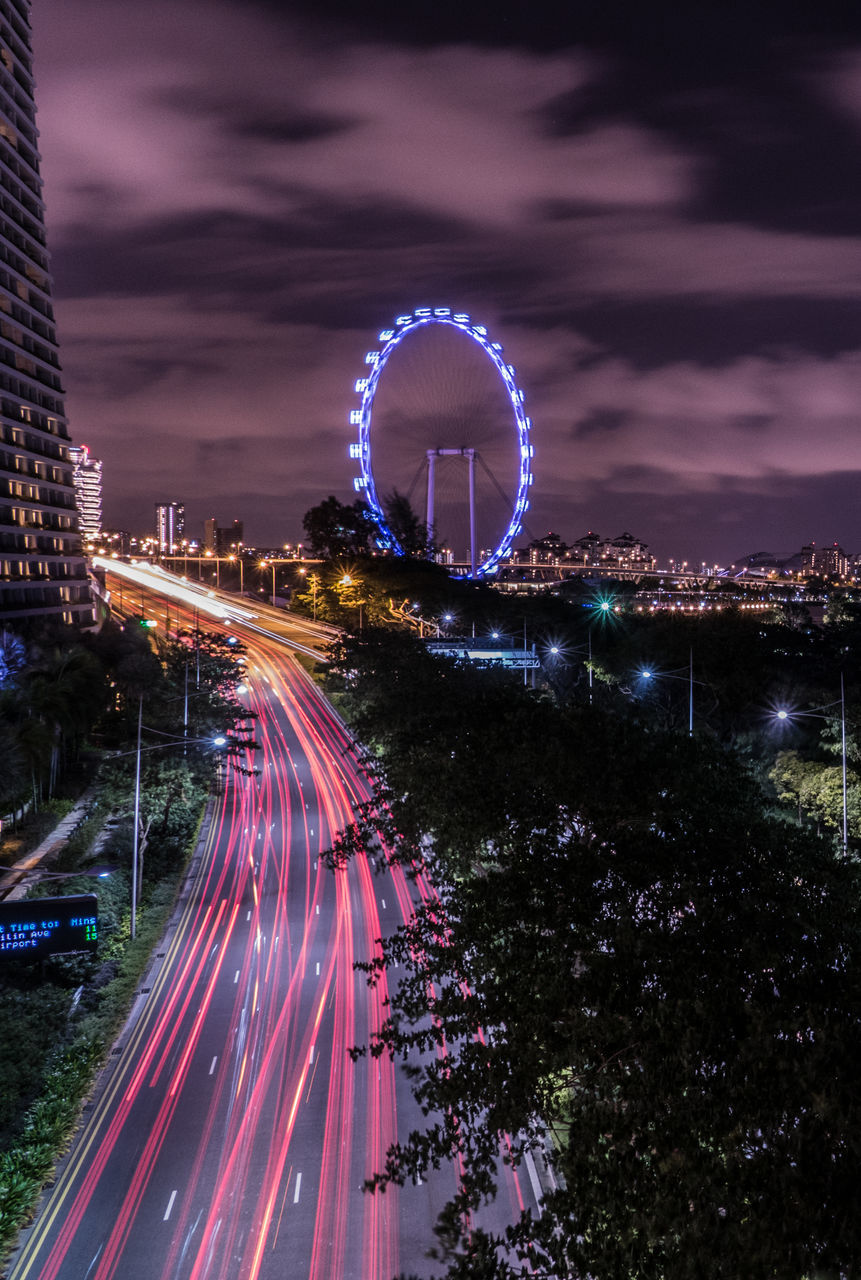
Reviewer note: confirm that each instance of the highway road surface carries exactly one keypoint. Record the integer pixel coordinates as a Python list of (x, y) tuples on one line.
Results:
[(230, 1134)]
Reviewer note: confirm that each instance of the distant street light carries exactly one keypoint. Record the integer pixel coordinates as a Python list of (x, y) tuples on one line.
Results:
[(676, 675), (563, 650)]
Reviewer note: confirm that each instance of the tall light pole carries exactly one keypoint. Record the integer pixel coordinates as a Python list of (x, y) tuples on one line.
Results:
[(135, 839), (218, 741), (674, 675), (563, 650), (264, 564), (241, 572)]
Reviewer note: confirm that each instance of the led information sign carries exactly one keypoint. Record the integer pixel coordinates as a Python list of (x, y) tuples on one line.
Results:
[(49, 926)]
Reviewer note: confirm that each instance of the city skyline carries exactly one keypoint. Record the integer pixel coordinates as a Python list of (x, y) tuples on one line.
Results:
[(659, 221)]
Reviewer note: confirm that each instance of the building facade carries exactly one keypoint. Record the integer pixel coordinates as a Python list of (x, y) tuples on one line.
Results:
[(589, 552), (42, 570), (87, 477), (169, 527), (824, 562), (221, 540)]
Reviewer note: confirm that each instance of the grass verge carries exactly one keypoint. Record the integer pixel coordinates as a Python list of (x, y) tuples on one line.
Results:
[(79, 1028)]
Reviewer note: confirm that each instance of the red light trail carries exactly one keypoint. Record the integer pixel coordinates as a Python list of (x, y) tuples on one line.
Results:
[(231, 1137)]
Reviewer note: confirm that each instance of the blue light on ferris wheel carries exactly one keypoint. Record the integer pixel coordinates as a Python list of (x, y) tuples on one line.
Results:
[(366, 387)]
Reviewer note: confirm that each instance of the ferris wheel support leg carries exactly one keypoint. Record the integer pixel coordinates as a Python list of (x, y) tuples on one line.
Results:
[(471, 456), (431, 457)]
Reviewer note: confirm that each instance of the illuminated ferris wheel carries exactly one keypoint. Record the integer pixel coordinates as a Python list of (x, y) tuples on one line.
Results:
[(451, 421)]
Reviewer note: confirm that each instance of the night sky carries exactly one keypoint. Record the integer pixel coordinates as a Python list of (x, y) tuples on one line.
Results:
[(656, 210)]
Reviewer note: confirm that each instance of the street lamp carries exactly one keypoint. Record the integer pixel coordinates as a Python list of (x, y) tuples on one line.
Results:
[(349, 581), (646, 674), (241, 572), (785, 714), (266, 564), (219, 741), (557, 650)]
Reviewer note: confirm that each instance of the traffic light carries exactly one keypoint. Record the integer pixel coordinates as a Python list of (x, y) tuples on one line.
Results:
[(147, 622)]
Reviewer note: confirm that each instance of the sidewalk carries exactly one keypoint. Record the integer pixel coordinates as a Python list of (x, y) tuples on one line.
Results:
[(13, 884)]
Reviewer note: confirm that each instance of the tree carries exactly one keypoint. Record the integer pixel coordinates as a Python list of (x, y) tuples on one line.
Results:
[(14, 775), (50, 699), (633, 956), (817, 789), (413, 536), (334, 529)]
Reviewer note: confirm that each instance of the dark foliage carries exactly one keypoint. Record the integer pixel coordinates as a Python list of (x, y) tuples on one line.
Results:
[(626, 953)]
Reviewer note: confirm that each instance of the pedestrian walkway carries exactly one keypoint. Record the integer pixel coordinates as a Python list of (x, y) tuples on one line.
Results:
[(13, 880)]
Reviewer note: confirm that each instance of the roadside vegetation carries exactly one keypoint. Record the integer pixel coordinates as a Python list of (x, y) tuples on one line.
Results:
[(642, 962), (69, 711)]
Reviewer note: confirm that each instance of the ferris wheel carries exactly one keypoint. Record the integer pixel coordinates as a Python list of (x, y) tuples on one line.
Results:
[(511, 423)]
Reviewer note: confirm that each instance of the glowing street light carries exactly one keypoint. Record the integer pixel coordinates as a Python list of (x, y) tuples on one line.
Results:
[(647, 674), (232, 560), (219, 741), (563, 650), (349, 580)]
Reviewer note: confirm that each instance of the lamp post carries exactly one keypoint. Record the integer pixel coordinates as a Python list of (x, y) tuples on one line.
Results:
[(788, 715), (349, 581), (218, 741), (266, 564), (241, 572), (676, 675), (559, 650)]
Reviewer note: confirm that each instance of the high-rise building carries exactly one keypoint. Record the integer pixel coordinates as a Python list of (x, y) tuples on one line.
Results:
[(88, 491), (169, 526), (221, 540), (824, 561), (42, 571)]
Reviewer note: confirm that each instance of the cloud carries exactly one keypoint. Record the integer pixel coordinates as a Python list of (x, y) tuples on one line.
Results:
[(238, 200), (168, 118)]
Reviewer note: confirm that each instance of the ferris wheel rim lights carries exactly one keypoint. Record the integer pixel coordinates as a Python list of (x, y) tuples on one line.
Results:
[(366, 387)]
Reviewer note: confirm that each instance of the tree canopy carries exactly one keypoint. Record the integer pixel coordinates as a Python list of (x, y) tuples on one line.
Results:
[(627, 952), (336, 529)]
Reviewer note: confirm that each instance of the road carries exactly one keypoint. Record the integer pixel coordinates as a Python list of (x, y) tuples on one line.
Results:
[(230, 1135)]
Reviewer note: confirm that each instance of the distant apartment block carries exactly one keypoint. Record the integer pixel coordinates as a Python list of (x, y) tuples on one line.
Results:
[(169, 527), (42, 571), (222, 539), (824, 561), (87, 477), (590, 551)]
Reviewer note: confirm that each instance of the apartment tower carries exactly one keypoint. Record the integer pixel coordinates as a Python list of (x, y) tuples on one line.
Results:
[(42, 571), (87, 477), (169, 527)]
